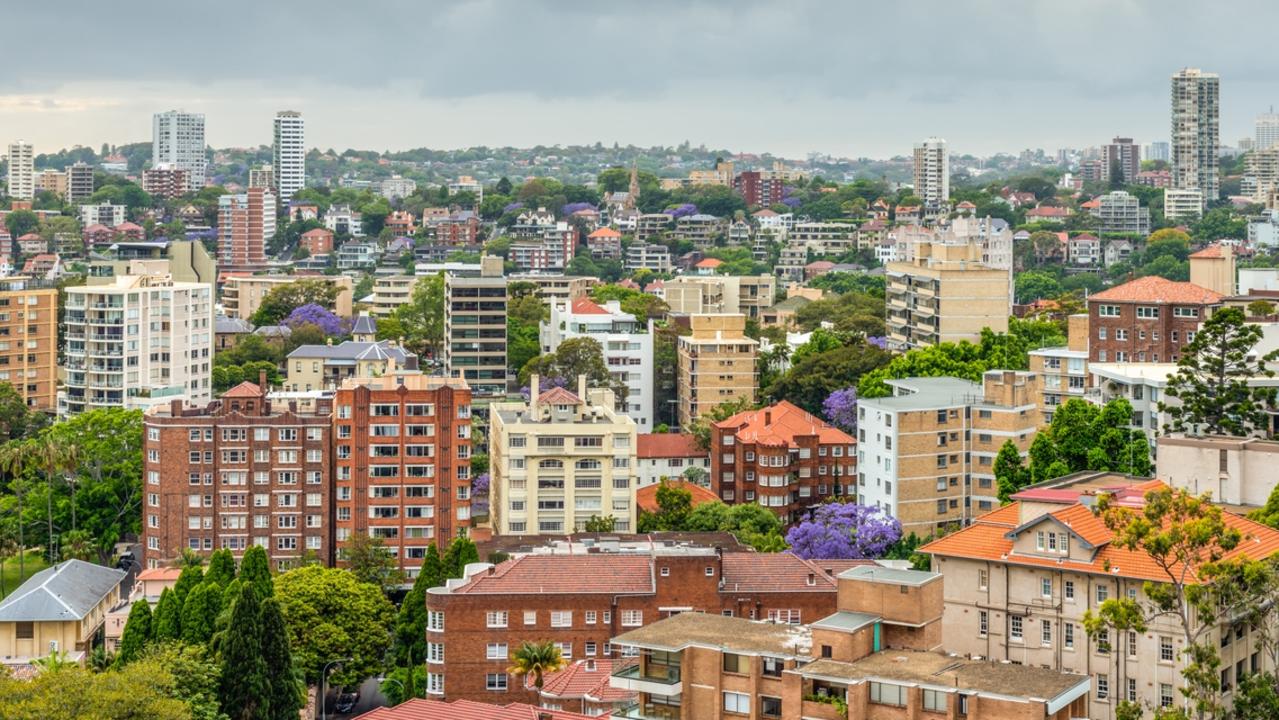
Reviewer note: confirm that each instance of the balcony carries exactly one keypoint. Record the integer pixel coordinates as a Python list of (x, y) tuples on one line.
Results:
[(654, 679), (648, 711)]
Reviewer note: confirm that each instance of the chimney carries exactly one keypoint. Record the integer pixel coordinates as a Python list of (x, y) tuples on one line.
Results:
[(768, 417), (262, 380), (532, 396), (581, 386)]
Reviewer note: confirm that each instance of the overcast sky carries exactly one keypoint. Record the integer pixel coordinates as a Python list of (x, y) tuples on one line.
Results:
[(789, 77)]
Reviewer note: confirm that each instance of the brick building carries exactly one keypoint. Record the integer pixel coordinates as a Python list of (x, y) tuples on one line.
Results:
[(581, 601), (783, 458), (166, 181), (29, 340), (757, 188), (317, 241), (1147, 320), (402, 461), (246, 222), (236, 472)]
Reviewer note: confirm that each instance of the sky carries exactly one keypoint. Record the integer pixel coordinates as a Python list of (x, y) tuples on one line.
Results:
[(790, 77)]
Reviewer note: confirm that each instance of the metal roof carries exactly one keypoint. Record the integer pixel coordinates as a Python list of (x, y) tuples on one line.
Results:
[(65, 592)]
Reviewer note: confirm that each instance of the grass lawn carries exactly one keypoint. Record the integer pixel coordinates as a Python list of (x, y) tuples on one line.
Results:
[(9, 571)]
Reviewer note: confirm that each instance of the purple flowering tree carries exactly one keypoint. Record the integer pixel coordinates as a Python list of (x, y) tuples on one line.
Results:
[(318, 315), (681, 211), (840, 408), (480, 494), (512, 207), (844, 530), (544, 384), (571, 208), (792, 202), (878, 341)]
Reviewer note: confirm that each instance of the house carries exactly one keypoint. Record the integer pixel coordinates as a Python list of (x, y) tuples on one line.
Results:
[(1117, 251), (44, 265), (1047, 214), (32, 244), (707, 266), (316, 367), (1084, 249), (59, 609), (605, 244), (584, 686), (669, 455)]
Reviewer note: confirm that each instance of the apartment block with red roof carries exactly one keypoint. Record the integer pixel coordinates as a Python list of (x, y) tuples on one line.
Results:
[(670, 455), (580, 602), (1020, 579), (1149, 319), (625, 341), (783, 458)]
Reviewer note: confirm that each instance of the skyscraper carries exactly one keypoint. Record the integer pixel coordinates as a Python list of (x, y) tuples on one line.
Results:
[(932, 172), (245, 223), (22, 170), (290, 154), (177, 139), (1121, 156), (1195, 132), (1267, 130)]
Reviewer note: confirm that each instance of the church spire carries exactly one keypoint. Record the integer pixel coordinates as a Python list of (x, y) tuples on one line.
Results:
[(632, 194)]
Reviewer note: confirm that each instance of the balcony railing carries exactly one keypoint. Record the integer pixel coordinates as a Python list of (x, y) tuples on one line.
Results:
[(648, 711)]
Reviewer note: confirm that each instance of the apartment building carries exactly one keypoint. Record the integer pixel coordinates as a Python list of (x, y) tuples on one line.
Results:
[(1123, 156), (926, 454), (1196, 132), (559, 460), (1020, 579), (390, 292), (141, 340), (605, 244), (54, 181), (945, 294), (1214, 268), (475, 328), (759, 189), (177, 139), (236, 472), (626, 342), (875, 656), (932, 173), (781, 457), (715, 364), (1182, 203), (289, 153), (242, 294), (700, 229), (245, 222), (553, 288), (662, 456), (749, 295), (1237, 471), (648, 257), (1119, 212), (1063, 371), (320, 367), (1149, 319), (29, 340), (79, 182), (581, 601), (316, 241), (262, 177), (402, 462), (22, 170), (165, 181)]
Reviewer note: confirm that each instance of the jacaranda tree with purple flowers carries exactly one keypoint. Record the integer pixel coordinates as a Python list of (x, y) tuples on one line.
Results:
[(571, 208), (681, 211), (840, 408), (844, 530), (317, 315)]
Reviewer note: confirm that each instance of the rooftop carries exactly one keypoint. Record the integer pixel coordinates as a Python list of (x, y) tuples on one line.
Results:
[(1155, 289), (587, 678), (894, 576), (925, 393), (668, 445), (65, 592), (418, 709), (779, 424), (732, 634), (646, 497)]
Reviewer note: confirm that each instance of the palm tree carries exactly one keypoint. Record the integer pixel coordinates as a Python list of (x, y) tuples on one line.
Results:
[(536, 659), (54, 459), (14, 459)]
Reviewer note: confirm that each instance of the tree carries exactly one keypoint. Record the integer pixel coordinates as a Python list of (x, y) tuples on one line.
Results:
[(221, 568), (597, 524), (200, 613), (54, 458), (536, 659), (1010, 474), (460, 553), (136, 635), (701, 429), (1082, 436), (1036, 285), (312, 314), (1261, 309), (190, 577), (152, 688), (844, 530), (283, 299), (168, 617), (574, 357), (16, 419), (423, 315), (255, 570), (674, 504), (284, 698), (186, 673), (1211, 384), (330, 614), (840, 409), (246, 686), (410, 623), (370, 561), (21, 222)]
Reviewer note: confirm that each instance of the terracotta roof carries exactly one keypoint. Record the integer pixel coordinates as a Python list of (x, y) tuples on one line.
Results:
[(965, 205), (30, 236), (127, 226), (245, 389), (988, 539), (1048, 211), (586, 306), (318, 232), (1155, 289), (587, 678), (1091, 204), (162, 573), (646, 497), (1084, 236), (560, 574), (668, 445), (97, 228), (780, 572), (710, 263), (1212, 251), (604, 232), (559, 396), (779, 424), (764, 213), (418, 709), (819, 265)]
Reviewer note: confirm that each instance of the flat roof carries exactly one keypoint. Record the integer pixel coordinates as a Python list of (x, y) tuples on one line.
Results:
[(893, 576), (730, 634), (845, 621), (922, 393)]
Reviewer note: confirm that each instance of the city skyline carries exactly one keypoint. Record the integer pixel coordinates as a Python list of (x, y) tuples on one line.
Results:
[(736, 81)]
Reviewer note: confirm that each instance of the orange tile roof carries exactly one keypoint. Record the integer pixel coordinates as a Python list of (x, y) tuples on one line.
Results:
[(245, 389), (988, 539), (604, 232), (418, 709), (779, 424), (646, 497), (586, 306), (317, 232), (559, 396), (563, 574), (1154, 289), (710, 263), (583, 679), (163, 573), (1212, 251), (668, 445)]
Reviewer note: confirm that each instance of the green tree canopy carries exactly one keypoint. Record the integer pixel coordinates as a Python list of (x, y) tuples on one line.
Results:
[(1083, 436), (137, 634), (330, 614), (246, 686), (422, 317), (283, 299)]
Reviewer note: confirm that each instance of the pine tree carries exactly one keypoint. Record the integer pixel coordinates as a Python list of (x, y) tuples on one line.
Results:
[(255, 571), (200, 613), (410, 625), (136, 635), (461, 552), (221, 568), (167, 620), (284, 699), (245, 687), (191, 576)]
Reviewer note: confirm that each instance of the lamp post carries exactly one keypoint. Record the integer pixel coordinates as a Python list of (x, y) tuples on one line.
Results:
[(324, 675)]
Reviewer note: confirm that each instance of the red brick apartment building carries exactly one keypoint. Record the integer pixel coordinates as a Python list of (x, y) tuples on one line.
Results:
[(758, 189), (782, 457), (239, 471), (402, 462), (1147, 320), (582, 601)]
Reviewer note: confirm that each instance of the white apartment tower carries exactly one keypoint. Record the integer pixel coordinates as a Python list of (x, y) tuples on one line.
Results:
[(1196, 132), (22, 170), (932, 172), (290, 153), (177, 138), (142, 340), (1267, 130)]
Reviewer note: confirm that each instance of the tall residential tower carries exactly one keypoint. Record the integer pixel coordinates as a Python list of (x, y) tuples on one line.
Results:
[(932, 172), (290, 154), (22, 171), (177, 138), (1196, 132)]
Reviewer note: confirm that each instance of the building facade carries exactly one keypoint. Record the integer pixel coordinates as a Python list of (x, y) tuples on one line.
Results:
[(245, 223), (1119, 212), (237, 472), (22, 170), (932, 173), (1122, 156), (79, 182), (946, 294), (1149, 319), (715, 365), (177, 139), (165, 181), (1196, 132), (626, 342), (242, 294), (29, 340), (475, 328), (289, 154)]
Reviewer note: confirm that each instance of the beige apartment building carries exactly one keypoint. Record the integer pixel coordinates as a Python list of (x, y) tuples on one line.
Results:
[(475, 328), (558, 288), (561, 459), (1063, 371), (749, 295), (1020, 579), (945, 294), (29, 340), (926, 454), (242, 294), (716, 364), (390, 292), (1238, 471)]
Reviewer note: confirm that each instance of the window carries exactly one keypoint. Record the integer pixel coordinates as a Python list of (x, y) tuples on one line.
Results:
[(1132, 644), (1068, 636), (1132, 690), (495, 682), (530, 617), (1103, 686), (983, 579), (1046, 634), (983, 623), (1046, 587), (1165, 648), (935, 700), (496, 619), (631, 618), (1165, 695), (770, 707), (495, 651), (1103, 642), (886, 694), (739, 664), (1103, 593), (561, 618), (737, 703), (435, 652), (1069, 590), (1108, 310), (771, 666), (1186, 312), (1015, 631), (1148, 312)]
